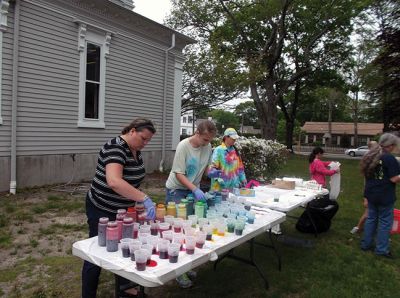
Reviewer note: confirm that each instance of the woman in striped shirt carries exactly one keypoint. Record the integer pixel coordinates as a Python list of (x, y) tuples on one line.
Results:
[(119, 172)]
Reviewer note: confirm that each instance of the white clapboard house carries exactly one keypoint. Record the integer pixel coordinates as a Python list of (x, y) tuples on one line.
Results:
[(73, 74)]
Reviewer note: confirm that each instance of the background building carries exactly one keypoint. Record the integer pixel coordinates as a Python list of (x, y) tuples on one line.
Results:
[(72, 75)]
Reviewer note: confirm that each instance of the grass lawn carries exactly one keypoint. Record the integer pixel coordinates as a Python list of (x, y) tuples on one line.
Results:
[(334, 267)]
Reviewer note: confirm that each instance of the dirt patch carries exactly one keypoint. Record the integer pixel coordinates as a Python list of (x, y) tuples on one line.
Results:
[(33, 231)]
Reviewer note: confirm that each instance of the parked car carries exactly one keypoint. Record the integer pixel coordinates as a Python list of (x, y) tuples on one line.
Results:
[(360, 151)]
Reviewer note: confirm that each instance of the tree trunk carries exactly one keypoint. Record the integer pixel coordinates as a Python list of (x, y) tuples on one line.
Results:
[(356, 119), (267, 112), (328, 141), (289, 134)]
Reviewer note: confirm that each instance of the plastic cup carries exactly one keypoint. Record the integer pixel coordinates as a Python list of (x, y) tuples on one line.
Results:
[(251, 216), (202, 222), (247, 206), (168, 235), (169, 219), (149, 249), (221, 227), (162, 245), (153, 228), (178, 238), (231, 198), (209, 231), (145, 229), (200, 239), (163, 226), (135, 229), (124, 244), (178, 225), (173, 252), (152, 240), (242, 218), (133, 246), (140, 259), (143, 237), (189, 231), (239, 227), (190, 244), (230, 225), (193, 218), (186, 224)]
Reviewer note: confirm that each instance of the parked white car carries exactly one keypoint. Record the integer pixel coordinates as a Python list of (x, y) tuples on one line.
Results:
[(360, 151)]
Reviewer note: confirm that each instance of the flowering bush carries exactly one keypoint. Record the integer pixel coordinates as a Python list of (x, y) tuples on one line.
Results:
[(262, 159)]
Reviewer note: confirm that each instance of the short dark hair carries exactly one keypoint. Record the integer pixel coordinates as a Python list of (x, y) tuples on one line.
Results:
[(206, 126), (139, 124)]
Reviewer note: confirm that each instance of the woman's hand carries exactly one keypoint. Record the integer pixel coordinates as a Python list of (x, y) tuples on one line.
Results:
[(199, 195), (150, 209), (214, 173)]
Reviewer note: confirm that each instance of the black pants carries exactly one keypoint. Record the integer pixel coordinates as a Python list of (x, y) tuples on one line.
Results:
[(91, 272)]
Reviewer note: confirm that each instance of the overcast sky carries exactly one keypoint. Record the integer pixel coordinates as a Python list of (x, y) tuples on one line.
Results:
[(157, 10), (153, 9)]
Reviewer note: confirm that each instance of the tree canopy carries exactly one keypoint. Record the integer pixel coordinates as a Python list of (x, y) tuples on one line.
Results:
[(268, 46)]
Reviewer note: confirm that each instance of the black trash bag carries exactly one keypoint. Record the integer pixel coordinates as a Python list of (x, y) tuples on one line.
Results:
[(321, 211)]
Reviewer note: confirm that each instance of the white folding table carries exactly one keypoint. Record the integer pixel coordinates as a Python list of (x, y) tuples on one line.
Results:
[(89, 250), (284, 200)]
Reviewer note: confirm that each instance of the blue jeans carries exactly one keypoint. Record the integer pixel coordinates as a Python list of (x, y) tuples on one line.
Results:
[(176, 195), (91, 272), (379, 221)]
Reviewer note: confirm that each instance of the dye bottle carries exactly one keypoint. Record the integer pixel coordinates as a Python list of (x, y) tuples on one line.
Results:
[(160, 212), (131, 212), (102, 227), (199, 209), (127, 227), (120, 219), (171, 209), (181, 211), (112, 236), (190, 204), (140, 212)]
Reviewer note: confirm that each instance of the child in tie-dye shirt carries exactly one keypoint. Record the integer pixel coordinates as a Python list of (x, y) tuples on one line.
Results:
[(226, 170)]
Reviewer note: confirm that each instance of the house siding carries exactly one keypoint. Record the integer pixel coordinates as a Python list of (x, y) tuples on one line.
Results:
[(49, 79), (5, 128), (48, 95)]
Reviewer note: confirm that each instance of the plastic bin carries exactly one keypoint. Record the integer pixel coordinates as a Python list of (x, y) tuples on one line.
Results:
[(396, 222)]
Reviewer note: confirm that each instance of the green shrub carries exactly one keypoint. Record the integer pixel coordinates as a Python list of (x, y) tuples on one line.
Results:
[(262, 159)]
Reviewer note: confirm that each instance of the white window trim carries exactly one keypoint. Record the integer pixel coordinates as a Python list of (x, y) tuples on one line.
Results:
[(4, 5), (103, 40)]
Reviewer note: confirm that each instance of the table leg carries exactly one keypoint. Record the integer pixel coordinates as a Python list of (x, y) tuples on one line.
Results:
[(312, 222), (273, 247), (250, 261), (278, 256), (117, 285)]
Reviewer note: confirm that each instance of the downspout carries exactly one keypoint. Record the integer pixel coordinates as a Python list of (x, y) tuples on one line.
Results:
[(164, 115), (13, 174)]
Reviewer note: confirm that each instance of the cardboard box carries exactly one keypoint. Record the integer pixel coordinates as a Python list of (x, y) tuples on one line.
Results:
[(283, 184)]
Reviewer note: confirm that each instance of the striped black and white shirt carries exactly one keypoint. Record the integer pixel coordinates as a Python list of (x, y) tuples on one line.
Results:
[(115, 151)]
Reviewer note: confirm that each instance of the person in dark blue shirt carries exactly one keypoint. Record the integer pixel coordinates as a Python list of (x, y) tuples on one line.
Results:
[(382, 172)]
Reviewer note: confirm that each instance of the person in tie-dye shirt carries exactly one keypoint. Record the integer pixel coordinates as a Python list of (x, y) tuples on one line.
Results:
[(226, 170)]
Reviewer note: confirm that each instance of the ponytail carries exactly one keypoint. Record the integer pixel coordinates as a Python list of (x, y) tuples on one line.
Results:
[(313, 154)]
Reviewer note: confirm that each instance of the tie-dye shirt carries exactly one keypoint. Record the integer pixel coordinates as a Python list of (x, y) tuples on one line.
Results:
[(189, 161), (228, 161)]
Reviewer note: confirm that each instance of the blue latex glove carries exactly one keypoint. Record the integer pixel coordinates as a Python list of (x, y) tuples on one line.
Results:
[(150, 209), (199, 195), (214, 173)]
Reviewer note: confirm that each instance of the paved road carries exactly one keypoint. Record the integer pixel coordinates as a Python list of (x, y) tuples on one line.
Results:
[(332, 155)]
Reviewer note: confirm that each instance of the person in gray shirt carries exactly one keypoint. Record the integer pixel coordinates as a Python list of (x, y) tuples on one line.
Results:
[(192, 158)]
